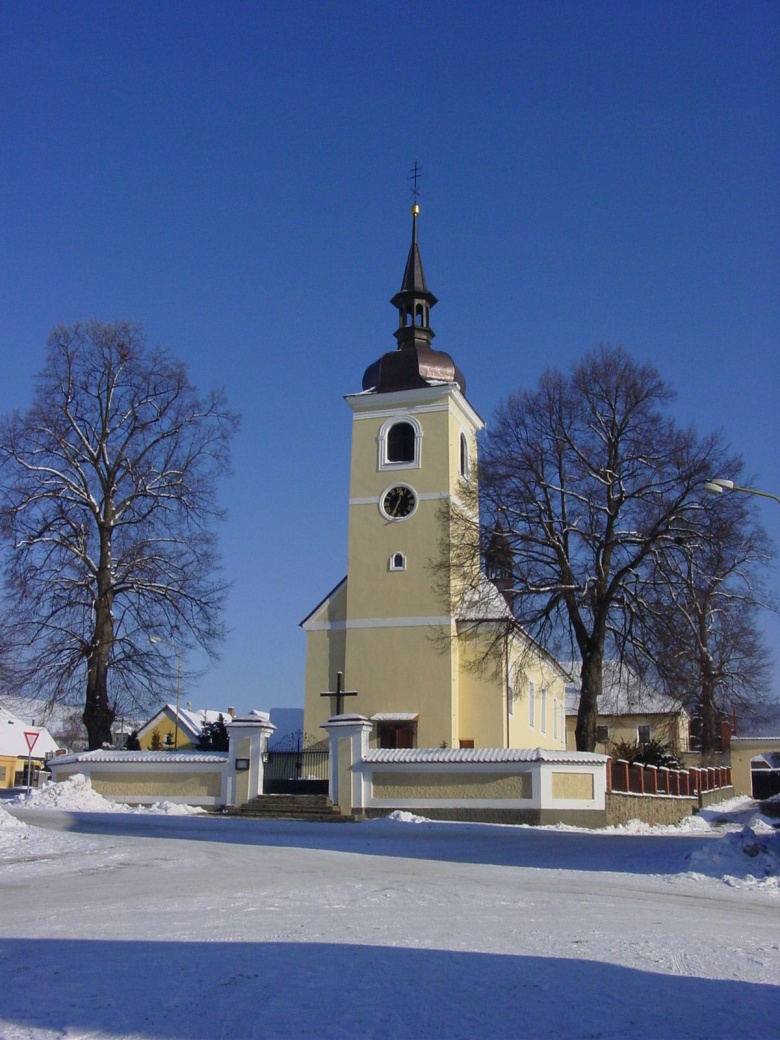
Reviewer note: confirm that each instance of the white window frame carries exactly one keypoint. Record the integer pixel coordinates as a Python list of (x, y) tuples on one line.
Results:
[(383, 464), (543, 710), (531, 704), (464, 456), (393, 565)]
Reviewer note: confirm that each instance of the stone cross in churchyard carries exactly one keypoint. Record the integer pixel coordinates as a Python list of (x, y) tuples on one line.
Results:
[(339, 693)]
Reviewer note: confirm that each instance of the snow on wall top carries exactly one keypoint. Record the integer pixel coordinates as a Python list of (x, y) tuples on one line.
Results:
[(419, 756), (145, 757)]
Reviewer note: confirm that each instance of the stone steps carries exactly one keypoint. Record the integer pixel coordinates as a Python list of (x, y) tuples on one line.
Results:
[(315, 807)]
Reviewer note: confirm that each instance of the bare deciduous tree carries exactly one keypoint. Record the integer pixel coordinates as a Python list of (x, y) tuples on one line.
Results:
[(580, 481), (108, 502), (699, 627)]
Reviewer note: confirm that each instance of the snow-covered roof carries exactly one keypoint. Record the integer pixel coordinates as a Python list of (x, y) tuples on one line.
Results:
[(483, 602), (252, 717), (146, 757), (13, 742), (623, 692), (190, 721), (422, 756), (770, 759), (395, 716)]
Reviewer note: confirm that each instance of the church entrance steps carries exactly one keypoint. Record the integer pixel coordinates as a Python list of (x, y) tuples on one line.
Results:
[(316, 807)]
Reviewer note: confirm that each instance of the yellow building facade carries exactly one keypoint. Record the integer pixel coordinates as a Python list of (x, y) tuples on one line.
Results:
[(407, 651)]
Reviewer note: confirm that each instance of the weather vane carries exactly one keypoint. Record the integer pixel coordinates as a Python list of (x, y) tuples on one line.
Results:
[(414, 175)]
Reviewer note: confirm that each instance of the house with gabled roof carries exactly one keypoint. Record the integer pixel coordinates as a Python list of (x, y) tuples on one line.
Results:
[(15, 751), (629, 711), (178, 730)]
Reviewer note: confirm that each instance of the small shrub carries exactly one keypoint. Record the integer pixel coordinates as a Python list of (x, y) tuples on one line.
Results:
[(650, 753)]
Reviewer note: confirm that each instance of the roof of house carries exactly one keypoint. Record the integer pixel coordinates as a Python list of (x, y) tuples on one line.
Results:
[(484, 603), (623, 692), (191, 722), (13, 742)]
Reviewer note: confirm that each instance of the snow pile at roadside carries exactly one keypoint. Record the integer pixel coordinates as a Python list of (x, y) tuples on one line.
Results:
[(401, 816), (166, 809), (20, 843), (748, 853), (76, 794), (72, 795), (9, 821)]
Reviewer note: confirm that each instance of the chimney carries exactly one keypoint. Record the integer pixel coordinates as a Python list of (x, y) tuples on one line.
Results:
[(232, 712)]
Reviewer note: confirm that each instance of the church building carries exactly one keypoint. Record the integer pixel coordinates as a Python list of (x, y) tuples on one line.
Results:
[(386, 643)]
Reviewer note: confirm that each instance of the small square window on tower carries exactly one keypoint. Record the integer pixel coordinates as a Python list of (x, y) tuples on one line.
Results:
[(398, 562)]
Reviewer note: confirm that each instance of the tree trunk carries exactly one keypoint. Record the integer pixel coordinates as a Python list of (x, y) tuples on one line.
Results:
[(587, 713), (98, 714), (709, 719)]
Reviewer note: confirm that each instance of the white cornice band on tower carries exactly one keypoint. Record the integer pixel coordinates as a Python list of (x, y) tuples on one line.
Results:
[(426, 496), (424, 399)]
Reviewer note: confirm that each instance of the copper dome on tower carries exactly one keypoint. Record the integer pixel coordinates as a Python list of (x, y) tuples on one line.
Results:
[(414, 363)]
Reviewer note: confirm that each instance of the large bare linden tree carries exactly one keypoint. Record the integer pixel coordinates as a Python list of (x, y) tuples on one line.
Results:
[(585, 482), (107, 509)]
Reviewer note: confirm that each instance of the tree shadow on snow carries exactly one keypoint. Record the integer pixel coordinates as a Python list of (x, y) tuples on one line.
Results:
[(450, 842), (193, 991)]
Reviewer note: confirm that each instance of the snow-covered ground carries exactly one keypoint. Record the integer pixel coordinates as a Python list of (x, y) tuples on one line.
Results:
[(180, 926)]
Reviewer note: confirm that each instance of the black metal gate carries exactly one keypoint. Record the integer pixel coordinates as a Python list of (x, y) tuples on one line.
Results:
[(766, 783), (296, 772)]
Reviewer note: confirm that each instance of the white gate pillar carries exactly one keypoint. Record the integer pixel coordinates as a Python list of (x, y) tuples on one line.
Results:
[(348, 735), (242, 779)]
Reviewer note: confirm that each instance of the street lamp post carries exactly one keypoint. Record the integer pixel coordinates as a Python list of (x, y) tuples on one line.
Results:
[(173, 646), (718, 485)]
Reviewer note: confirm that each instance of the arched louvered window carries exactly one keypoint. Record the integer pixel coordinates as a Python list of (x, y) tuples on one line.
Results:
[(400, 442)]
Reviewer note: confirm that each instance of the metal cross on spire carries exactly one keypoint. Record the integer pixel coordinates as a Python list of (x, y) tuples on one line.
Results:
[(339, 693), (414, 175)]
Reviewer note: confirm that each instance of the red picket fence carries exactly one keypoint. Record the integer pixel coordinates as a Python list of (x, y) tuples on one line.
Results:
[(637, 778)]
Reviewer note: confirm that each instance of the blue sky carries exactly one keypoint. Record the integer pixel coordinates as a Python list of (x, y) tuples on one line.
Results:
[(234, 175)]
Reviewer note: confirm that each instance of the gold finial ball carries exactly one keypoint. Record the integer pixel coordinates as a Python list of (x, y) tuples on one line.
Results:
[(415, 210)]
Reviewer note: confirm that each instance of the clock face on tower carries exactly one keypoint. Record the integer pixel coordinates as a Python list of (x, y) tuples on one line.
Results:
[(398, 502)]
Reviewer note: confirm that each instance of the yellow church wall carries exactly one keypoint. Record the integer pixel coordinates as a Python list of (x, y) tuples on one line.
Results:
[(375, 589), (325, 652), (442, 412), (544, 726), (398, 669), (481, 695)]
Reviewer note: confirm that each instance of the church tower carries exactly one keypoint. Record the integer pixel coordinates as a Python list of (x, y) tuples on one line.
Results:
[(386, 627)]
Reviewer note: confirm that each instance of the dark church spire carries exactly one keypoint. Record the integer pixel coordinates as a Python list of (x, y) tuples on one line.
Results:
[(414, 301), (414, 363)]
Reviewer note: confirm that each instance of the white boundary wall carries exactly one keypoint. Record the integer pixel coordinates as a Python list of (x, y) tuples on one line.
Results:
[(204, 778), (519, 784)]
